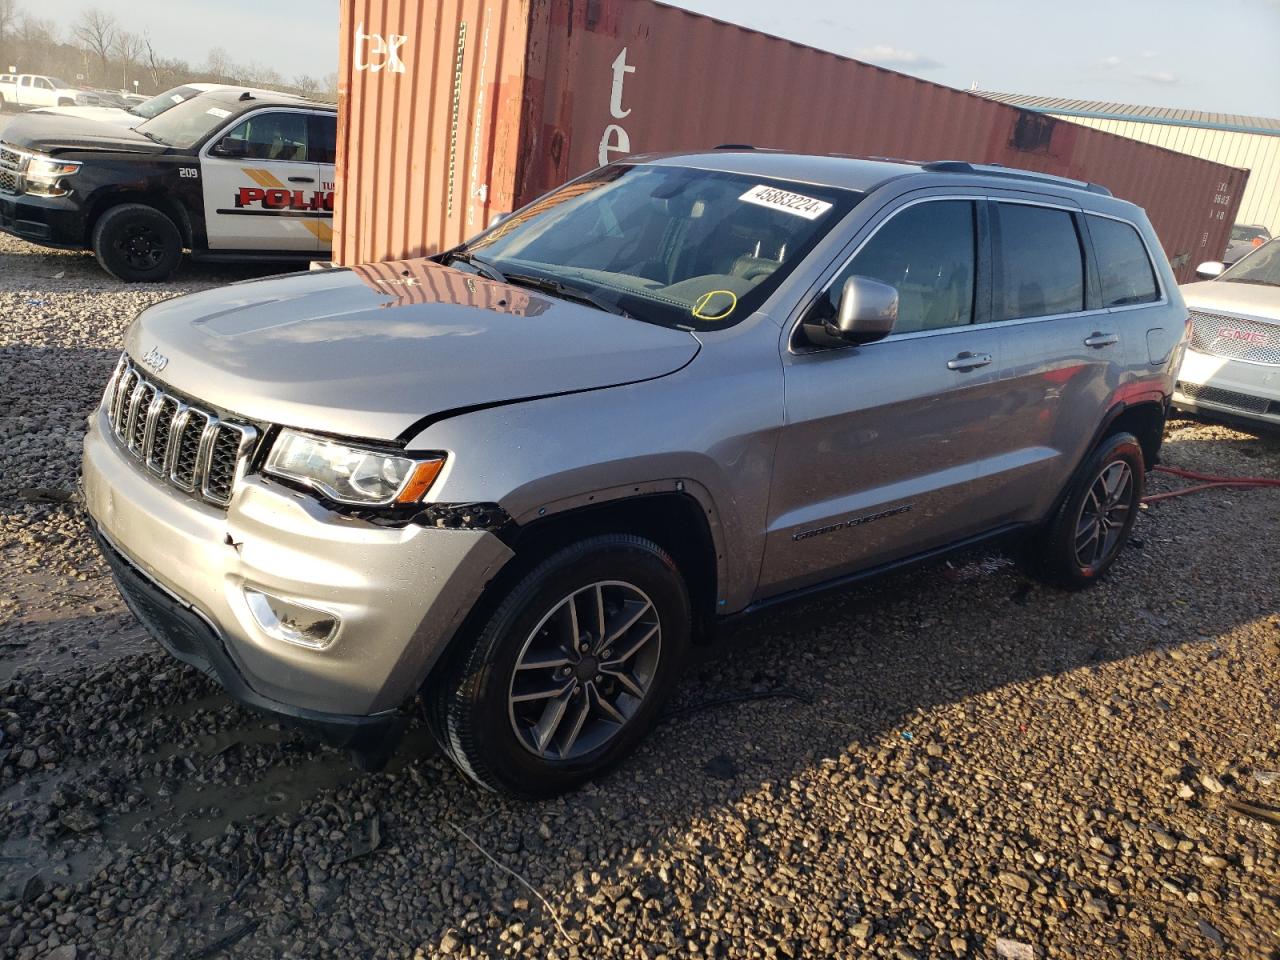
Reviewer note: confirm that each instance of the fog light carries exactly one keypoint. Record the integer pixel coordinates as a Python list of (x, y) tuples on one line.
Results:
[(291, 622)]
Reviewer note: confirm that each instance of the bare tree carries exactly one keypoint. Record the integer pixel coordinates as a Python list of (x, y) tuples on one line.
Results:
[(9, 22), (218, 64), (33, 33), (8, 19), (128, 48), (329, 87), (96, 30), (153, 62), (306, 85), (259, 75)]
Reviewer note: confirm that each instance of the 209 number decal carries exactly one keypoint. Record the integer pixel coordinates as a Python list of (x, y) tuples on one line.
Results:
[(189, 173)]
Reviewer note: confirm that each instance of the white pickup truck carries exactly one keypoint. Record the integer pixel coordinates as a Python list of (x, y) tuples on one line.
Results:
[(23, 91)]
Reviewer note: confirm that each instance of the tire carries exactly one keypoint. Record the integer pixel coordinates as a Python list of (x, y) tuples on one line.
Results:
[(501, 725), (1071, 551), (137, 244), (66, 102)]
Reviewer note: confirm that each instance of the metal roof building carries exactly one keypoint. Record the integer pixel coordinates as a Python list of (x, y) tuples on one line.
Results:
[(1239, 141)]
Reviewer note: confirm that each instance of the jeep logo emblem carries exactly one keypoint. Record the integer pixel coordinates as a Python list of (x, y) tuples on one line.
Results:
[(156, 360)]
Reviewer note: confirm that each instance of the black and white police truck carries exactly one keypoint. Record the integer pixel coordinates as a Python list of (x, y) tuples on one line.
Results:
[(226, 175)]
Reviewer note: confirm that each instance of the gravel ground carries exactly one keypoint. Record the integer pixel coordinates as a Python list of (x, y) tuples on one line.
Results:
[(954, 761)]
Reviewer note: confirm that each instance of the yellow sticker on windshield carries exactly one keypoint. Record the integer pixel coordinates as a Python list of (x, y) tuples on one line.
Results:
[(704, 301)]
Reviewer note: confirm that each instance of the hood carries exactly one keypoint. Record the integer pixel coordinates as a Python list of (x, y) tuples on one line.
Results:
[(370, 351), (111, 115), (53, 133), (1224, 296)]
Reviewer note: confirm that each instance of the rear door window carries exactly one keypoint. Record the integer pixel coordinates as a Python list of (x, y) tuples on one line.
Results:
[(1039, 264), (927, 252), (1123, 265)]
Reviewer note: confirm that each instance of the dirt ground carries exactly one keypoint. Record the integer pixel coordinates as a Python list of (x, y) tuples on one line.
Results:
[(952, 761)]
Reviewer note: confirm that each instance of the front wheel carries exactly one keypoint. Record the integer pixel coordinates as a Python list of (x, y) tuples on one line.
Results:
[(137, 243), (569, 672), (1089, 530)]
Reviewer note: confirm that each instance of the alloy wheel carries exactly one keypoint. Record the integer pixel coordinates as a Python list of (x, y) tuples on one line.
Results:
[(585, 670), (1103, 515)]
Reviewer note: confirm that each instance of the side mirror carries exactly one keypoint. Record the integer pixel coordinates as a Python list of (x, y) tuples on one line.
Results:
[(231, 147), (867, 312), (1210, 269)]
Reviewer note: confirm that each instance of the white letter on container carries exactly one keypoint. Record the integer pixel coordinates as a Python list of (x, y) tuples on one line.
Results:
[(621, 143)]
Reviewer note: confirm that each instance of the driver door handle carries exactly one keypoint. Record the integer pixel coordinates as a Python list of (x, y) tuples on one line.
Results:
[(1097, 339), (302, 179), (969, 361)]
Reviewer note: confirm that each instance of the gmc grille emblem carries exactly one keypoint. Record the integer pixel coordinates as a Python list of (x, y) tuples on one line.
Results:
[(156, 360)]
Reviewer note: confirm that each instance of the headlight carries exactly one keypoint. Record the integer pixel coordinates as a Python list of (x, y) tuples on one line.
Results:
[(44, 175), (350, 474), (48, 168)]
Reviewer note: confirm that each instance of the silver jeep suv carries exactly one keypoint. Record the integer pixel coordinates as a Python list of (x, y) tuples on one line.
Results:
[(519, 478)]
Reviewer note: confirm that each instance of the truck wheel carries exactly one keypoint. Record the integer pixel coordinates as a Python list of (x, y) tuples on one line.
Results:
[(137, 243), (1093, 524), (66, 102), (569, 672)]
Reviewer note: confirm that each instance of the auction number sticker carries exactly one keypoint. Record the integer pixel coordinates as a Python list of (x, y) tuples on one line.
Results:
[(796, 204)]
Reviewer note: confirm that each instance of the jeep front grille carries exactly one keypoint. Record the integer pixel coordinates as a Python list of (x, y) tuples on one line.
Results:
[(12, 164), (1223, 398), (185, 445), (1235, 337)]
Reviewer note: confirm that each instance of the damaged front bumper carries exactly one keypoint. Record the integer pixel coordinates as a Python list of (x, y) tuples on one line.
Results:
[(191, 571)]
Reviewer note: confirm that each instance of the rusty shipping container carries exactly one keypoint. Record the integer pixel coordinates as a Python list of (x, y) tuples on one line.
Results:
[(454, 110)]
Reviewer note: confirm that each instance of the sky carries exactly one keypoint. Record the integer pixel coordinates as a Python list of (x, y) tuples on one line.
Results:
[(1221, 56)]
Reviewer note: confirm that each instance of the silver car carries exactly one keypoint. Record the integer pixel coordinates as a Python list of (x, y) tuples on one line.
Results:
[(519, 479)]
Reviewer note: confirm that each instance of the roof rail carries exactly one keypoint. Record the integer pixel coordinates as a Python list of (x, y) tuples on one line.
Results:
[(999, 170)]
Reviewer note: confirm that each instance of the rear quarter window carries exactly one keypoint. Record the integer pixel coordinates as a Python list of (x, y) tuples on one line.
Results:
[(1124, 268)]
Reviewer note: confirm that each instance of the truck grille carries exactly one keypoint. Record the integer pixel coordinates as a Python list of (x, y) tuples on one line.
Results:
[(1235, 338), (186, 446), (1223, 398), (12, 164)]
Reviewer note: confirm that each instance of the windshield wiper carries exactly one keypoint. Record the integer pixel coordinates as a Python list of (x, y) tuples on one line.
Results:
[(484, 267), (566, 292), (151, 136), (1261, 283)]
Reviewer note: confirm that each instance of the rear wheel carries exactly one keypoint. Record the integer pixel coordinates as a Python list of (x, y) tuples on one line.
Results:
[(1089, 530), (569, 672), (137, 243)]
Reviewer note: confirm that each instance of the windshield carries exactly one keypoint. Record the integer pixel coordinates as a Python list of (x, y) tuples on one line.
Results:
[(163, 101), (695, 249), (185, 124), (1240, 232), (1261, 266)]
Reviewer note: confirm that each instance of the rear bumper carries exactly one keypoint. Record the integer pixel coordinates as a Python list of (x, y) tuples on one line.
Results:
[(1218, 385), (52, 221)]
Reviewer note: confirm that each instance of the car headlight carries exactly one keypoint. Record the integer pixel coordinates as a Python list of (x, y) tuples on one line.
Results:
[(352, 474), (44, 175), (48, 168)]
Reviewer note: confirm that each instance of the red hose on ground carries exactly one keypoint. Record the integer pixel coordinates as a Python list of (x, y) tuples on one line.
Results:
[(1208, 482)]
